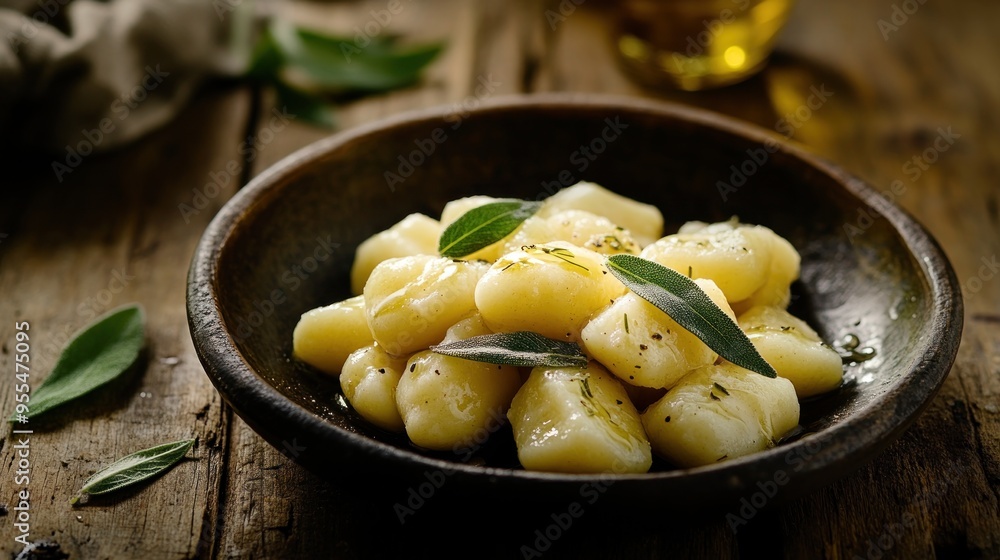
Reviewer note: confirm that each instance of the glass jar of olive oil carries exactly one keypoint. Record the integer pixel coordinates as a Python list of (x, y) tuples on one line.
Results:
[(697, 44)]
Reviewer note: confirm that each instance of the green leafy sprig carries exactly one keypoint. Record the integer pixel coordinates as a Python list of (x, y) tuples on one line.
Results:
[(483, 226), (134, 468), (522, 349), (97, 355), (306, 67)]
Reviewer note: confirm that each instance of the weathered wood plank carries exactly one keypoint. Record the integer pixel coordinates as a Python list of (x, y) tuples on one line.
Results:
[(111, 234)]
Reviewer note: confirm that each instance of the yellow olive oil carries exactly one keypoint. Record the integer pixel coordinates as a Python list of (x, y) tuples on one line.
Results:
[(698, 44)]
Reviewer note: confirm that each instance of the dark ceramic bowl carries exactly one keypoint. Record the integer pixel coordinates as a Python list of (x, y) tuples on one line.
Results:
[(285, 243)]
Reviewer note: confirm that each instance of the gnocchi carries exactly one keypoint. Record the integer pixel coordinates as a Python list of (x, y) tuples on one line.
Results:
[(416, 234), (326, 336), (410, 302), (445, 401), (369, 381), (578, 420), (644, 221), (794, 350), (736, 259), (643, 346), (649, 386), (578, 227), (719, 412), (550, 289)]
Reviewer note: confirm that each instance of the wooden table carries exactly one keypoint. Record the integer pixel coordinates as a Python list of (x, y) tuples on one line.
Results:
[(113, 233)]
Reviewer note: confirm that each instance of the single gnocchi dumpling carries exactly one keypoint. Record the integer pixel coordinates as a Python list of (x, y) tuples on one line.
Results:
[(325, 336), (793, 349), (416, 234), (578, 227), (550, 289), (644, 221), (785, 267), (448, 403), (783, 270), (411, 301), (369, 380), (643, 346), (720, 412), (577, 420), (736, 259), (457, 208)]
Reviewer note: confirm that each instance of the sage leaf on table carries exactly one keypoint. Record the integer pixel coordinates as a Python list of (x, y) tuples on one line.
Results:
[(97, 355), (521, 348), (339, 63), (680, 298), (306, 65), (134, 468), (484, 226)]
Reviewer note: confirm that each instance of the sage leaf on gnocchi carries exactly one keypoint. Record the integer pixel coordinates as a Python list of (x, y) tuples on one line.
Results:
[(686, 303), (483, 226), (521, 348)]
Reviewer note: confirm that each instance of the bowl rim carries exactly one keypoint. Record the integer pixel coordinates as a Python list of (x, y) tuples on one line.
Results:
[(865, 429)]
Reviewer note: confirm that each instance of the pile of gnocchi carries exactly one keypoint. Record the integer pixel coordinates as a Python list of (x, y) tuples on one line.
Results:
[(649, 386)]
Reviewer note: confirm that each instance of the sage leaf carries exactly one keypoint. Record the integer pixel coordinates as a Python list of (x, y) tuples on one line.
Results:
[(383, 64), (337, 63), (134, 468), (307, 67), (680, 298), (484, 226), (521, 348), (97, 355)]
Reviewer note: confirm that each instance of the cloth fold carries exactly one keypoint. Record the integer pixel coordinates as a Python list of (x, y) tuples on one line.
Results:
[(91, 75)]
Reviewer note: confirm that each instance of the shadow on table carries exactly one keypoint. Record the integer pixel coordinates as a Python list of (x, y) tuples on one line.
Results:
[(379, 518)]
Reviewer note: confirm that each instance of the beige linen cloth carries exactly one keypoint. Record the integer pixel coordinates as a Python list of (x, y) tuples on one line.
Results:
[(106, 72)]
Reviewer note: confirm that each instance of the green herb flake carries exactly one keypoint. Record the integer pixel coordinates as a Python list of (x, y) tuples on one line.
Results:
[(134, 468), (626, 324), (562, 254), (521, 348), (483, 226), (98, 354), (682, 299)]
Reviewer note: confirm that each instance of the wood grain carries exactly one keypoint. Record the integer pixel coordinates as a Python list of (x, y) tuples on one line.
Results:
[(113, 221), (933, 493)]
